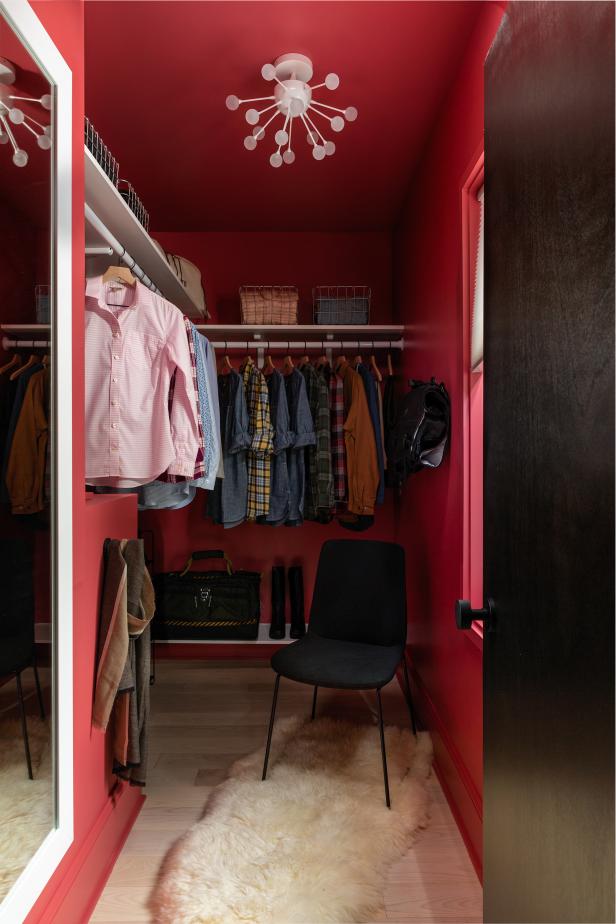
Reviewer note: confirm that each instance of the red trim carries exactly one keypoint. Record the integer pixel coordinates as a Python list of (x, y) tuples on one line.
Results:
[(83, 882), (462, 795)]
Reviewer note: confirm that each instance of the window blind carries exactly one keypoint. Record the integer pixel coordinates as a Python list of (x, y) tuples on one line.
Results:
[(477, 316)]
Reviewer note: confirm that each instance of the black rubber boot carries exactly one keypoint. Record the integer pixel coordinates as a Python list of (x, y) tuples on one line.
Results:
[(296, 596), (278, 624)]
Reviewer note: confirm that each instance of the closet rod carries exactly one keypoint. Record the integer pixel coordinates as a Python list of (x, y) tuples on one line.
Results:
[(306, 346), (8, 344), (93, 219)]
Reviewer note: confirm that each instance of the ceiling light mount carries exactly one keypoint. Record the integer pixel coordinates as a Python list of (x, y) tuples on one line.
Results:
[(293, 99)]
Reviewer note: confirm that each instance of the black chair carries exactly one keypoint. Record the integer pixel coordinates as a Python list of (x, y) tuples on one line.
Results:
[(357, 632), (17, 650)]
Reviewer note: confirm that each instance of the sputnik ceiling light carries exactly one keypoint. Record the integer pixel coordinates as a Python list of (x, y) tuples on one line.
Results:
[(292, 100), (9, 113)]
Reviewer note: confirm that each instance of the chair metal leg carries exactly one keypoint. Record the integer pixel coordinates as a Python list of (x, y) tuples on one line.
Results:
[(271, 727), (409, 698), (24, 727), (383, 754), (38, 691), (314, 703)]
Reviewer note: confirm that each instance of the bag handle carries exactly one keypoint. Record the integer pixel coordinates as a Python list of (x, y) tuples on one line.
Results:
[(208, 553)]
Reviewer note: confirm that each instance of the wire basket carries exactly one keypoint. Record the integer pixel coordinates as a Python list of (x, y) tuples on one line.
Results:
[(269, 304), (101, 152), (127, 191), (341, 304)]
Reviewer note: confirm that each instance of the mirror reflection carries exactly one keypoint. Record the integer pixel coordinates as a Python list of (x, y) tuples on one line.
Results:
[(27, 804)]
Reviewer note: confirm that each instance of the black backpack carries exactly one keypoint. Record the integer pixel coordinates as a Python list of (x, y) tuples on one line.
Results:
[(419, 435)]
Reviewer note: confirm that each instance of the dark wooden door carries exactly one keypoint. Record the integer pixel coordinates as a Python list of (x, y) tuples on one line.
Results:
[(549, 476)]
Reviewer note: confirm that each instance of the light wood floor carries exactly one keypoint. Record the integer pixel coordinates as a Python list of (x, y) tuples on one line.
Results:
[(205, 714)]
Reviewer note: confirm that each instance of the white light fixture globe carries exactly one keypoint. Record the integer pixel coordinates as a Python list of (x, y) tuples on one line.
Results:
[(292, 99)]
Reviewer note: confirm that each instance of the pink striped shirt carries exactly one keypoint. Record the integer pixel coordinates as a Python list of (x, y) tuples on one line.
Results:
[(132, 351)]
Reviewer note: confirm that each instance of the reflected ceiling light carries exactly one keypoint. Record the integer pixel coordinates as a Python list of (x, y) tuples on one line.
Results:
[(292, 101), (11, 114)]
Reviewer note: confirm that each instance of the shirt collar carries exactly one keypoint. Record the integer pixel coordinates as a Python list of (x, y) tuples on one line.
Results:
[(95, 288)]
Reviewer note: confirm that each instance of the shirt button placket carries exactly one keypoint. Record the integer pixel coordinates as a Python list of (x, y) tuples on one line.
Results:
[(114, 402)]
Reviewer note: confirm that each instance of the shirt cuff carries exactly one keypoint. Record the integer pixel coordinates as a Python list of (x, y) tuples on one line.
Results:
[(182, 467)]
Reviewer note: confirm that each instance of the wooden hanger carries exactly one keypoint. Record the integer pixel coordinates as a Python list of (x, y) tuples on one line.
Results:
[(322, 361), (225, 366), (119, 274), (375, 368), (357, 360), (268, 366), (287, 366), (390, 368), (248, 360), (14, 361), (32, 361), (45, 360)]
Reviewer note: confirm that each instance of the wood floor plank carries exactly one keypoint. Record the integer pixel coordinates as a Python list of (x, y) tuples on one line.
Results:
[(205, 715)]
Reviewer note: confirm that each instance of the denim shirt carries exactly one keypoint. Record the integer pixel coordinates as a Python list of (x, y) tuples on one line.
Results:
[(279, 477), (227, 502), (301, 434)]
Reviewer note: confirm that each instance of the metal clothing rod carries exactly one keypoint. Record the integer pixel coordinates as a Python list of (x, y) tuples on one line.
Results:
[(99, 251), (297, 346), (8, 344), (93, 219)]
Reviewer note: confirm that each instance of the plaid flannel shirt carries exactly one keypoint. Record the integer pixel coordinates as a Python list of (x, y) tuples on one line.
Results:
[(200, 460), (319, 484), (336, 403), (262, 442)]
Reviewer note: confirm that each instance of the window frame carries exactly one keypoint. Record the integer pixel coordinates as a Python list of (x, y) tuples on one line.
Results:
[(470, 209)]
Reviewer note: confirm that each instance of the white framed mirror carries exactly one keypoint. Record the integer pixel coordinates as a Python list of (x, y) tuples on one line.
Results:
[(36, 483)]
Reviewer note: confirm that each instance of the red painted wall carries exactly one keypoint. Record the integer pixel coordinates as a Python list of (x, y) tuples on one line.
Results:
[(101, 822), (229, 259), (427, 274)]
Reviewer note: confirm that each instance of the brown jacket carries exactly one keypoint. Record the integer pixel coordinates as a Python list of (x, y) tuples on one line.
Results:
[(362, 465), (25, 474)]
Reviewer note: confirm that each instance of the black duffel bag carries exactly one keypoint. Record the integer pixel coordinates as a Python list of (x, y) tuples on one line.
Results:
[(193, 605)]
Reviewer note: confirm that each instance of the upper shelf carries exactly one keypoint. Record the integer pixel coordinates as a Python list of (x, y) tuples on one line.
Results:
[(109, 206), (300, 332)]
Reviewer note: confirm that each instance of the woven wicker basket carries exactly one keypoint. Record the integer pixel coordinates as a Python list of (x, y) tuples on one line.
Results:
[(269, 304)]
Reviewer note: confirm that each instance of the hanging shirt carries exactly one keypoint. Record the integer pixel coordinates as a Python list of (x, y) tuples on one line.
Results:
[(301, 434), (132, 352), (319, 483), (261, 443), (169, 476), (19, 393), (228, 501), (279, 483), (336, 404), (362, 465), (210, 411), (25, 474), (373, 407)]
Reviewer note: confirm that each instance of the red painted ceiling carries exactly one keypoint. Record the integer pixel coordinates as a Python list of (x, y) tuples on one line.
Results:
[(158, 74)]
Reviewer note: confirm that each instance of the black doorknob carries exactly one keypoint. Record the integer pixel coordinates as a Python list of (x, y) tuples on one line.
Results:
[(466, 615)]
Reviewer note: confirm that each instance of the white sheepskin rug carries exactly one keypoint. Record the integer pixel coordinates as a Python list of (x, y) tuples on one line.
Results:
[(26, 806), (313, 843)]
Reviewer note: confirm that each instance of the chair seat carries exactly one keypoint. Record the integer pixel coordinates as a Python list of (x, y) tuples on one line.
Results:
[(327, 662)]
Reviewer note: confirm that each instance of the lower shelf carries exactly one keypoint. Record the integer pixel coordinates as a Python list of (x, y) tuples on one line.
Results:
[(262, 639)]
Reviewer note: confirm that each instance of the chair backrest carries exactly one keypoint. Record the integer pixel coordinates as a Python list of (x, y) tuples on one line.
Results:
[(360, 592), (16, 604)]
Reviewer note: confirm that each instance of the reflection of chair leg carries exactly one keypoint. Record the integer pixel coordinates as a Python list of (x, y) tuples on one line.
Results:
[(314, 703), (383, 754), (271, 726), (409, 698), (24, 727), (38, 691)]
